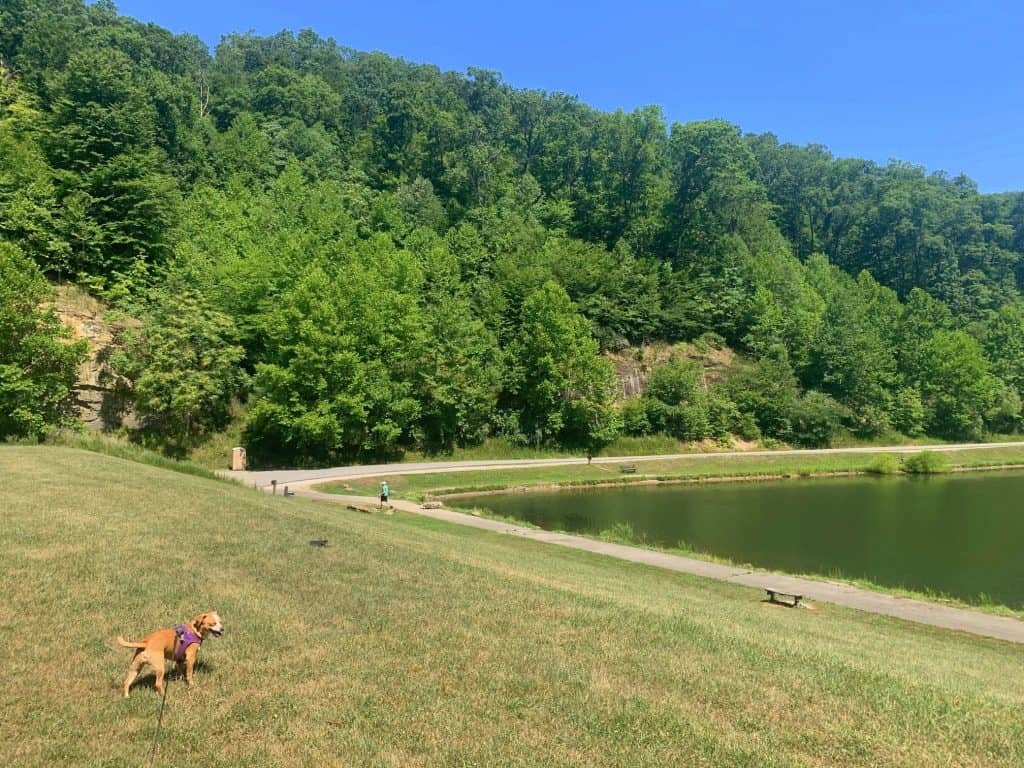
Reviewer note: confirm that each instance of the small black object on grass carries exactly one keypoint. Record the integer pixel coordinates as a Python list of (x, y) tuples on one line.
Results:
[(318, 543)]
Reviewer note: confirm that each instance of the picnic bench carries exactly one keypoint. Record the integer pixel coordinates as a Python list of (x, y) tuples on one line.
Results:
[(792, 602), (627, 469)]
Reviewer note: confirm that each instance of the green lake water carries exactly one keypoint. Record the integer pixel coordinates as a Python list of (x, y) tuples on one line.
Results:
[(957, 535)]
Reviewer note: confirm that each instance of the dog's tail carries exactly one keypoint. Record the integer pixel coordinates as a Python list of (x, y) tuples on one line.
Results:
[(125, 644)]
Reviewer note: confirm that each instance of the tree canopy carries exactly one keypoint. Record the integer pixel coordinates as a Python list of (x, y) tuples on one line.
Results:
[(371, 255)]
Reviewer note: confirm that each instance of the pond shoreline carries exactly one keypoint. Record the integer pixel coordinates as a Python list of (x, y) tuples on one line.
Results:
[(752, 478), (606, 534), (993, 621), (991, 609)]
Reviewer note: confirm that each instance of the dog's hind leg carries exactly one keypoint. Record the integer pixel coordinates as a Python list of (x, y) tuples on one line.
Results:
[(158, 668), (138, 662)]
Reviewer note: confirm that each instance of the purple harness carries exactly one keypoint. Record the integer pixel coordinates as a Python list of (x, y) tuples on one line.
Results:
[(186, 637)]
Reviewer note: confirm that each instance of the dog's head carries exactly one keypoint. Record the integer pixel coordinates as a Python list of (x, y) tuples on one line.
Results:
[(208, 623)]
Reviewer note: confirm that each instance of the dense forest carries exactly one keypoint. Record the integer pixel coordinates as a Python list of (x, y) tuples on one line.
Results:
[(356, 255)]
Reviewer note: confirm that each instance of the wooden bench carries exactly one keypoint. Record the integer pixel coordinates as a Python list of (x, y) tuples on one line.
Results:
[(627, 469), (774, 595)]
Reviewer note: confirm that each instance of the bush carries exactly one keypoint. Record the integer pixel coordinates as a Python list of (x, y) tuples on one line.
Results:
[(657, 414), (724, 417), (1004, 415), (640, 446), (767, 390), (687, 421), (908, 412), (870, 421), (884, 464), (709, 340), (746, 427), (621, 533), (675, 382), (815, 418), (925, 463), (634, 418)]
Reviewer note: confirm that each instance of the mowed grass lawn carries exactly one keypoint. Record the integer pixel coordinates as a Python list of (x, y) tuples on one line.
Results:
[(409, 642)]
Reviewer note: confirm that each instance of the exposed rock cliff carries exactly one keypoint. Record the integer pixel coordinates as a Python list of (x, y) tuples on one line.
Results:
[(95, 396), (634, 365)]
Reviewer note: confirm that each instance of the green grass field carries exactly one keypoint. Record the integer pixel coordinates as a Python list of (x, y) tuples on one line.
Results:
[(408, 642), (700, 467)]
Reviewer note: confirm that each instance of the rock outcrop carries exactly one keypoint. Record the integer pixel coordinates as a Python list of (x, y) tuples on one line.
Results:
[(96, 398), (633, 365)]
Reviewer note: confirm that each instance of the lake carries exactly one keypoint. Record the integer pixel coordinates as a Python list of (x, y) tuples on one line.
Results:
[(958, 535)]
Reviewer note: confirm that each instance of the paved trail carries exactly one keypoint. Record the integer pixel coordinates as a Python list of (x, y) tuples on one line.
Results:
[(307, 477), (947, 617)]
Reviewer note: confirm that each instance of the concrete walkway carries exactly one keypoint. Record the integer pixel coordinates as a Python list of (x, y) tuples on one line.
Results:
[(947, 617)]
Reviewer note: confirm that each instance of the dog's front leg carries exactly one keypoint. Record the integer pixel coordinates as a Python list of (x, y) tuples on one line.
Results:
[(190, 661)]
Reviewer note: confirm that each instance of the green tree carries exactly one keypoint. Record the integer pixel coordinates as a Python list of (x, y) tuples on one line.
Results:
[(28, 206), (1003, 340), (853, 357), (676, 400), (634, 417), (956, 386), (102, 142), (459, 377), (921, 316), (815, 419), (557, 382), (38, 362), (766, 390), (183, 367), (344, 350)]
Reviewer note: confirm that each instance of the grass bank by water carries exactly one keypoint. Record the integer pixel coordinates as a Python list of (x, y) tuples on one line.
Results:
[(411, 642), (698, 467), (707, 468), (624, 533)]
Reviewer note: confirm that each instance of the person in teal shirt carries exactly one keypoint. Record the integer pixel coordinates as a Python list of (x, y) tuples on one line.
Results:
[(384, 492)]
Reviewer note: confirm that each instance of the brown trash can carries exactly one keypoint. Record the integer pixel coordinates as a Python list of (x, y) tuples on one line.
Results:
[(238, 459)]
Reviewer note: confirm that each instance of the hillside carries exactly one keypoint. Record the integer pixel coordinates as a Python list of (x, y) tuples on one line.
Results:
[(376, 257), (409, 642)]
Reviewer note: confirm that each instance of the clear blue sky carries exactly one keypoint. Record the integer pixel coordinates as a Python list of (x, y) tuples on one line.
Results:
[(936, 83)]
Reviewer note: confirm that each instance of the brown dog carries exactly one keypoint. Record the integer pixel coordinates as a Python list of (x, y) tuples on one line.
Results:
[(180, 643)]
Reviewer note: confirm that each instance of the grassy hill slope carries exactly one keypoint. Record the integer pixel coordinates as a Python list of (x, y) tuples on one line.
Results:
[(408, 642)]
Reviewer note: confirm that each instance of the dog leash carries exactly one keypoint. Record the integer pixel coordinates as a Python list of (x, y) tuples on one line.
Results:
[(159, 720)]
